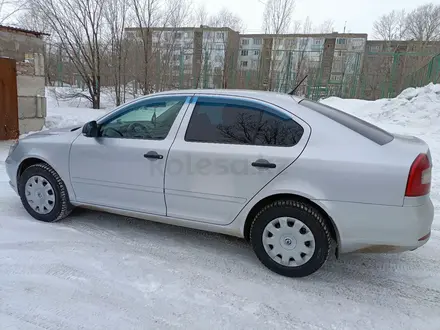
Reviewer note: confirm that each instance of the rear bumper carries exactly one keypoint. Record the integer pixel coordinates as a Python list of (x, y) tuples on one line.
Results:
[(371, 228)]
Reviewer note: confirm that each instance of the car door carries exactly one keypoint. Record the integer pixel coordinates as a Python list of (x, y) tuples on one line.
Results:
[(124, 167), (228, 148)]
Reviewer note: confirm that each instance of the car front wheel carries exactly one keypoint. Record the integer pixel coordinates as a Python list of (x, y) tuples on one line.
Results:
[(290, 238), (43, 193)]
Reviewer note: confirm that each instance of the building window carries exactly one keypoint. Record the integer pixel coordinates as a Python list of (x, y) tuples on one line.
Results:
[(187, 57), (317, 41), (289, 43), (341, 41), (244, 52), (374, 48), (178, 35), (336, 77), (337, 66), (257, 53), (257, 41), (338, 53), (244, 64), (245, 41), (219, 47), (254, 64), (218, 58), (220, 35)]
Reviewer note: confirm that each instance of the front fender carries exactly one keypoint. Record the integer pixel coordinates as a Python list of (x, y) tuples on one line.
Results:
[(54, 154)]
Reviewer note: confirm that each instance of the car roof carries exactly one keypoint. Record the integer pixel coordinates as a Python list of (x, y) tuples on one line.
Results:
[(256, 94)]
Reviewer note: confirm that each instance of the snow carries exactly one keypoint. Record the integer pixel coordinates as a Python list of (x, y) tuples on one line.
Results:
[(64, 112), (101, 271)]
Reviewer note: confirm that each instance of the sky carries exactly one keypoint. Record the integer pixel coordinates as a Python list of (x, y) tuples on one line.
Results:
[(359, 15)]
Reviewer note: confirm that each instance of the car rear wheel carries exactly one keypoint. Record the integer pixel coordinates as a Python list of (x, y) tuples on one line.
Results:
[(43, 193), (290, 238)]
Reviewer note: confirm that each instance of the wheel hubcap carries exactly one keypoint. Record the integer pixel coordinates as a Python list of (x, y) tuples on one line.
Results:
[(288, 241), (40, 194)]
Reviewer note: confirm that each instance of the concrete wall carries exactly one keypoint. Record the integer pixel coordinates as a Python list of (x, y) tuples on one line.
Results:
[(28, 51)]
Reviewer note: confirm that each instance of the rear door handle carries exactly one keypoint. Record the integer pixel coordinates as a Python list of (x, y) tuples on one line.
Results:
[(153, 155), (263, 163)]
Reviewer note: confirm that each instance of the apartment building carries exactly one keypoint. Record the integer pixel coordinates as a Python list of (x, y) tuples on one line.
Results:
[(188, 57), (278, 62), (342, 64)]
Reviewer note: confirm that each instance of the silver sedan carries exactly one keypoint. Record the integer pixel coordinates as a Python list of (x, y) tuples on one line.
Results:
[(290, 175)]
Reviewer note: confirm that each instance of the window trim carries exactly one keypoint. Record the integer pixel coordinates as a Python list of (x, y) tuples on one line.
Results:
[(259, 104)]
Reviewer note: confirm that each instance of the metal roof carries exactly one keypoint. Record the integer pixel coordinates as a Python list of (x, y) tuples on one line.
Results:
[(16, 29)]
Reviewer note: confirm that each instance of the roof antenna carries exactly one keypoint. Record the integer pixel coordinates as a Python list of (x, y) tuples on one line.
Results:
[(296, 87)]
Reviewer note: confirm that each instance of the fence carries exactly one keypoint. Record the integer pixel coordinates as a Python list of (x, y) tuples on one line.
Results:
[(398, 72), (342, 73)]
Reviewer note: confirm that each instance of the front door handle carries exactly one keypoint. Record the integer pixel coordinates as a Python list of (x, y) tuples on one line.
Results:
[(153, 155), (263, 163)]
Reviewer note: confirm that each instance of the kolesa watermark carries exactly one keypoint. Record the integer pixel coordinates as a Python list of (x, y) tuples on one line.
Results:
[(195, 166)]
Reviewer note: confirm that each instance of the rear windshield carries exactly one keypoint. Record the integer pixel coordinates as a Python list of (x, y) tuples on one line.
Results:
[(357, 125)]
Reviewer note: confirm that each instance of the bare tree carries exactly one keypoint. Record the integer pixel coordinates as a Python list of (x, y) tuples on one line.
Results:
[(278, 16), (179, 13), (148, 13), (325, 27), (391, 26), (173, 48), (77, 26), (201, 16), (226, 18), (32, 19), (8, 8), (296, 26), (423, 23), (115, 14)]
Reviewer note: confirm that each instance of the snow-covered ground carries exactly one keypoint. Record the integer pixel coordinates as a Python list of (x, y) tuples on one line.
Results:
[(101, 271)]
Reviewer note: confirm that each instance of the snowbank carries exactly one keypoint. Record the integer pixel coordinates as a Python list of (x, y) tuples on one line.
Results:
[(63, 111), (66, 108), (414, 108)]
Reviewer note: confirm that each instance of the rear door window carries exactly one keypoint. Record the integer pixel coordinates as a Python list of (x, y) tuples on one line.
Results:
[(356, 124)]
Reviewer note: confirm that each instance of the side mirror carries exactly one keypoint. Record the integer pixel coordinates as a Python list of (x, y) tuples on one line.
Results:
[(91, 129)]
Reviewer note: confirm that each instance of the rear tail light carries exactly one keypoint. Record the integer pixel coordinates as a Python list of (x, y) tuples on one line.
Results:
[(419, 178)]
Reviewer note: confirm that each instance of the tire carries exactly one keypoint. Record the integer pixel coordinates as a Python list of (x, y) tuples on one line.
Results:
[(303, 226), (60, 206)]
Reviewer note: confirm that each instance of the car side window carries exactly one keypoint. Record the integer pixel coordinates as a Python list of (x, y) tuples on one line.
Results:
[(237, 122), (149, 120)]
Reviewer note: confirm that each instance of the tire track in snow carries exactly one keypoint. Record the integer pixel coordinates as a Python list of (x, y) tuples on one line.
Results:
[(357, 278)]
